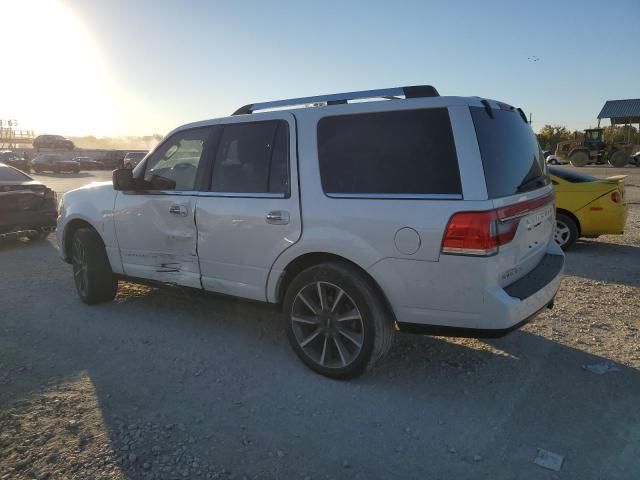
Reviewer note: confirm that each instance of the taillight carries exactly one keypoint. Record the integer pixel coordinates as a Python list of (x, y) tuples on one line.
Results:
[(50, 195), (616, 197), (477, 233), (481, 233)]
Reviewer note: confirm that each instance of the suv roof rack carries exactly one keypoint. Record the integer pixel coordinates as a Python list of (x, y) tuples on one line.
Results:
[(415, 91)]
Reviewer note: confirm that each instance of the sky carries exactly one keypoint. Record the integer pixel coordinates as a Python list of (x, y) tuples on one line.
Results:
[(119, 67)]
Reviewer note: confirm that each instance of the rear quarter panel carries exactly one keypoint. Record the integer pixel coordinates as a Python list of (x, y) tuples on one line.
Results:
[(363, 230)]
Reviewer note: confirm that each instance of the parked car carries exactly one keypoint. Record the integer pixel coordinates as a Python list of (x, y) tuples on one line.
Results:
[(587, 206), (27, 207), (423, 213), (87, 163), (54, 142), (132, 159), (14, 160), (54, 163), (112, 159), (555, 160)]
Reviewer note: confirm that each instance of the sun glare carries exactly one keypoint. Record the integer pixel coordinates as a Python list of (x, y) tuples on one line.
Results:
[(54, 79)]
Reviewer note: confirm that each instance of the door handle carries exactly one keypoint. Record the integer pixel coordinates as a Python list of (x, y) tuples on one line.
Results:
[(179, 210), (278, 217)]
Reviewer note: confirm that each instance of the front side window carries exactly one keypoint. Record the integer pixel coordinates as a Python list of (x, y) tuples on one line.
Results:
[(408, 152), (253, 158), (175, 164)]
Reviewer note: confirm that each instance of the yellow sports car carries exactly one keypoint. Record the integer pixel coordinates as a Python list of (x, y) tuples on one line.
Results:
[(587, 206)]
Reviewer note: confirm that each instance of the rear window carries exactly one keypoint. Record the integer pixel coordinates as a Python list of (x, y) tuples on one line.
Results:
[(570, 176), (511, 156), (408, 152), (8, 174)]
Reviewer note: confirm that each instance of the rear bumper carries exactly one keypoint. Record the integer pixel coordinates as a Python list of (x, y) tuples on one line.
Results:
[(454, 296), (29, 219), (610, 220), (443, 331)]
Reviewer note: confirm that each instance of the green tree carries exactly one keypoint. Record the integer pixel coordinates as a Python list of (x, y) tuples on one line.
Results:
[(621, 134), (550, 135)]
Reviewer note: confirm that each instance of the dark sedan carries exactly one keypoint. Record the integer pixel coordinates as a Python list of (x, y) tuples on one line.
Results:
[(54, 163), (87, 163), (14, 160), (27, 207), (53, 142)]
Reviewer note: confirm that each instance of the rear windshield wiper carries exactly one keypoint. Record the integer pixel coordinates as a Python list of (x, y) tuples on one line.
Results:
[(538, 181)]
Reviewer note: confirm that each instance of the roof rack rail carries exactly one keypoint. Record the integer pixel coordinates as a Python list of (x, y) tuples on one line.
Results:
[(414, 91)]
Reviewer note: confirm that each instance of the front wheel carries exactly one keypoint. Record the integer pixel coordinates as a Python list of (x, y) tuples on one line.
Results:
[(566, 232), (336, 321), (619, 159), (92, 273), (579, 158)]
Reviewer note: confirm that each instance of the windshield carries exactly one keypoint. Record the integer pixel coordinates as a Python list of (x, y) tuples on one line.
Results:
[(511, 156)]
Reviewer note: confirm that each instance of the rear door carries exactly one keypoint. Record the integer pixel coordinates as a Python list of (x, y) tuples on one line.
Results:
[(250, 212), (156, 227)]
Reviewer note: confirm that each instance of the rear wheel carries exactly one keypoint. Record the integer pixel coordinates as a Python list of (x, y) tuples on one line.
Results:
[(619, 159), (92, 273), (579, 158), (566, 232), (336, 321)]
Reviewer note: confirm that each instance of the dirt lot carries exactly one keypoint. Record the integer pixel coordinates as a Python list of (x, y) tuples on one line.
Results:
[(167, 383)]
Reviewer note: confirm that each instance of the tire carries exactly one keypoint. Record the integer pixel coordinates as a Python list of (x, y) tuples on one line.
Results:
[(337, 348), (553, 161), (36, 170), (619, 159), (566, 231), (579, 158), (92, 273)]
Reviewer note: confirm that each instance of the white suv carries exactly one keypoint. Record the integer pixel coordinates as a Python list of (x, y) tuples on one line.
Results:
[(414, 212)]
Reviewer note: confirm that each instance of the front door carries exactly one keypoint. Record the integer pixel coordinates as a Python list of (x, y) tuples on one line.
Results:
[(155, 225), (250, 212)]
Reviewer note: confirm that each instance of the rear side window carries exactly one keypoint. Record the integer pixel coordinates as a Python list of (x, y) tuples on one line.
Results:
[(511, 156), (253, 158), (408, 152)]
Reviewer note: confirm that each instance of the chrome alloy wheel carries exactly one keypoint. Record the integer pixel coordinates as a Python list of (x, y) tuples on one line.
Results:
[(80, 273), (562, 233), (327, 325)]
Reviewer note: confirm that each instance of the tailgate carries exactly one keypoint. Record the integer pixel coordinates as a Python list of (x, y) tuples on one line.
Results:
[(533, 217)]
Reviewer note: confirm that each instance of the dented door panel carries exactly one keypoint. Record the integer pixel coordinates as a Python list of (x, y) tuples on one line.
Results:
[(157, 237)]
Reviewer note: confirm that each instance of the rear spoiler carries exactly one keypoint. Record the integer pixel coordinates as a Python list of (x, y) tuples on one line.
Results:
[(616, 178)]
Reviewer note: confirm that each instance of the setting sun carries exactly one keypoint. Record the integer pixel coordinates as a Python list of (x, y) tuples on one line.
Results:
[(58, 79)]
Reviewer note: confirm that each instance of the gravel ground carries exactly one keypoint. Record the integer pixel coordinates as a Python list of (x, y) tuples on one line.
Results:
[(166, 383)]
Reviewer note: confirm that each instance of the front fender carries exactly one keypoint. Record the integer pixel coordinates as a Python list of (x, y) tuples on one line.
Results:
[(92, 206)]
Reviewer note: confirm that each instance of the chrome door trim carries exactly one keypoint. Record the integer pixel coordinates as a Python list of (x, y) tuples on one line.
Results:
[(398, 196)]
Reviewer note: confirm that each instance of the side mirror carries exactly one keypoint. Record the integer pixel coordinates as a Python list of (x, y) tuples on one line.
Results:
[(123, 179)]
